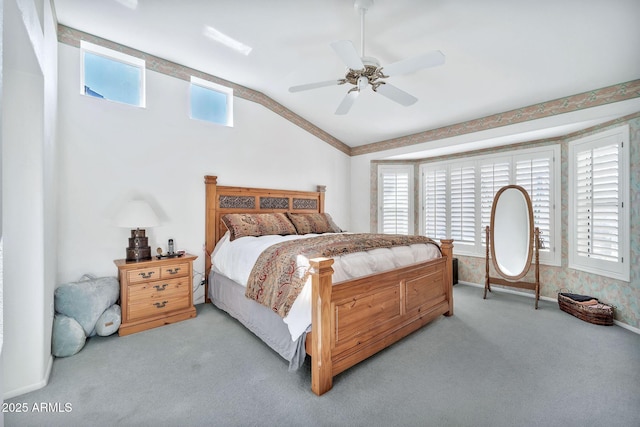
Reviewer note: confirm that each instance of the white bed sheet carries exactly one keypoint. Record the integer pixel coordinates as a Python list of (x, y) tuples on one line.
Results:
[(235, 260)]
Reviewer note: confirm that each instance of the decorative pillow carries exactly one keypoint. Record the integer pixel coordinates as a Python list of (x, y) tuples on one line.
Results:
[(68, 336), (241, 225), (86, 300), (319, 223), (109, 322)]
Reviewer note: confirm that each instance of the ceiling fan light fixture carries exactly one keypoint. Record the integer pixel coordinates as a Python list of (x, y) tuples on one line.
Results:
[(363, 82), (363, 71)]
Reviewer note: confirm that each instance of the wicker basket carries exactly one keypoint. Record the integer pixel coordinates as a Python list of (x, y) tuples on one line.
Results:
[(599, 314)]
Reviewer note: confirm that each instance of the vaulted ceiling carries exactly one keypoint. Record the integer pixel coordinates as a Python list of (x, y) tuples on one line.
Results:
[(501, 55)]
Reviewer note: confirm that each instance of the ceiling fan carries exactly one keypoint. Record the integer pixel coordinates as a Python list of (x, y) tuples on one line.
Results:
[(366, 71)]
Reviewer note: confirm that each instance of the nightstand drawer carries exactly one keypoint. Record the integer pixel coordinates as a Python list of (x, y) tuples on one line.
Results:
[(174, 270), (142, 274), (157, 297), (157, 290), (149, 308)]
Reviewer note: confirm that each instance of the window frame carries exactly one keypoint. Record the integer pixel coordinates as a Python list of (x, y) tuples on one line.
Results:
[(551, 257), (620, 269), (382, 169), (226, 91), (116, 56)]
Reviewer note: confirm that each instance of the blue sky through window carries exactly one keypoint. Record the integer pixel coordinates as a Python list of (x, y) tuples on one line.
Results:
[(208, 104), (111, 79)]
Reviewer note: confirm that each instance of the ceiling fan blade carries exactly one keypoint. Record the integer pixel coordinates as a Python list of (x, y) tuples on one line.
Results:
[(348, 53), (347, 102), (395, 94), (416, 63), (315, 85)]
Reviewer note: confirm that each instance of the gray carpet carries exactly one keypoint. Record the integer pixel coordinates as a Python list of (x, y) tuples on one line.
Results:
[(496, 362)]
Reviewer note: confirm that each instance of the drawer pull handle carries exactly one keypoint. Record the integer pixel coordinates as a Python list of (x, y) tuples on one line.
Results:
[(161, 288), (146, 275), (160, 304), (173, 270)]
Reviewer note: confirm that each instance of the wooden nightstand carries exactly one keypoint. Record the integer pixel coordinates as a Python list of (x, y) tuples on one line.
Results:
[(155, 293)]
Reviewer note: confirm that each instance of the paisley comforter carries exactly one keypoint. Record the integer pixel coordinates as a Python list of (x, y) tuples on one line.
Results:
[(282, 270)]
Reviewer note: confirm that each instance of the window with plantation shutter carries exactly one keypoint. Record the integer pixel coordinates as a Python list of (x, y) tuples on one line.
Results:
[(598, 204), (395, 195), (494, 174), (462, 191), (534, 175), (457, 196), (435, 205)]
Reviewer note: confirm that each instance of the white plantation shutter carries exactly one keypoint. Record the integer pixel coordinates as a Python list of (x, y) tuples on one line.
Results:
[(494, 175), (457, 197), (598, 207), (396, 196), (463, 204), (534, 175), (435, 203), (597, 203)]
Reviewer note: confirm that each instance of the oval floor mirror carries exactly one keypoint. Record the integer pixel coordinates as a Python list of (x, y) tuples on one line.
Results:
[(513, 242)]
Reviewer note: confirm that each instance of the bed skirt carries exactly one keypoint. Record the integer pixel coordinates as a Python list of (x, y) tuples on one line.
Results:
[(229, 296)]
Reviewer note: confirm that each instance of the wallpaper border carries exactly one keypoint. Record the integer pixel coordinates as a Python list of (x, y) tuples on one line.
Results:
[(581, 101), (72, 37), (593, 98)]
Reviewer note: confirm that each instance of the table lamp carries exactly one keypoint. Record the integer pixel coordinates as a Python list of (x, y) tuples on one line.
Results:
[(136, 214)]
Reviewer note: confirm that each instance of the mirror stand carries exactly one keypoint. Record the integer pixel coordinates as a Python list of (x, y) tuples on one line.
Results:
[(534, 286), (513, 243)]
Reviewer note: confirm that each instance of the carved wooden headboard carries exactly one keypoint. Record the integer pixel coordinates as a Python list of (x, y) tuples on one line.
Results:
[(221, 200)]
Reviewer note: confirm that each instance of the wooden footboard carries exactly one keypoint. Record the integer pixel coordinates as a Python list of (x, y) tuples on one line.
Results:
[(355, 319)]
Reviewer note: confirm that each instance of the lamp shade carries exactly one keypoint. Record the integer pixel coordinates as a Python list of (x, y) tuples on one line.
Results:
[(136, 214)]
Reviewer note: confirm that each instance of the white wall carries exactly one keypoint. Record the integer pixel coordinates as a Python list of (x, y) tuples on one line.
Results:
[(111, 152), (28, 192), (1, 242)]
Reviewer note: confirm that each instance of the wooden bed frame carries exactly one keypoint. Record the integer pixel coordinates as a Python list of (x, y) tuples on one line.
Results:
[(354, 319)]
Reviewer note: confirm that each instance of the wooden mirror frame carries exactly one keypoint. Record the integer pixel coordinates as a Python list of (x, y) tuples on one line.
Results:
[(533, 246), (494, 208)]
